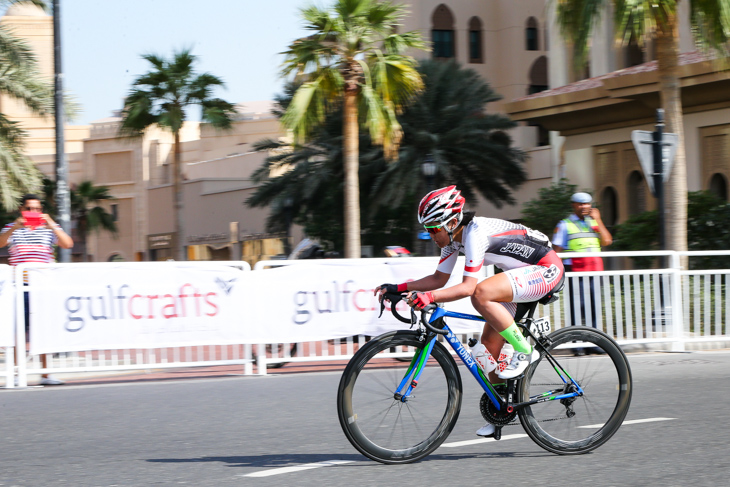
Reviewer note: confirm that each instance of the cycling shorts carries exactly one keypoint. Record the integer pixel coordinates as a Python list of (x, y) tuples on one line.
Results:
[(532, 282)]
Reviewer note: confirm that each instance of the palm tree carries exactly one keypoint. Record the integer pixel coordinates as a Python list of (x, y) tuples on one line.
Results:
[(657, 20), (21, 80), (353, 59), (446, 121), (87, 212), (161, 97)]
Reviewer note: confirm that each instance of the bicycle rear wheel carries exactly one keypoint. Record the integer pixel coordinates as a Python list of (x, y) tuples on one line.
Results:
[(384, 428), (583, 423)]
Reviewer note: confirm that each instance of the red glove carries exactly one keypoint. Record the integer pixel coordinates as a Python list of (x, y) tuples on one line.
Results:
[(421, 300)]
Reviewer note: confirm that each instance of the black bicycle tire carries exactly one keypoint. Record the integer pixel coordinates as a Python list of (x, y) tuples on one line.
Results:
[(623, 402), (277, 365), (345, 408)]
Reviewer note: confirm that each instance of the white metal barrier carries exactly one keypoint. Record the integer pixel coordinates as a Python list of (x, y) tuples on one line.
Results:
[(636, 307), (666, 305)]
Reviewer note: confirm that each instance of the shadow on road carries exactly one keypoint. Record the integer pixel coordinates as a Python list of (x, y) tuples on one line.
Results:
[(270, 461), (278, 461)]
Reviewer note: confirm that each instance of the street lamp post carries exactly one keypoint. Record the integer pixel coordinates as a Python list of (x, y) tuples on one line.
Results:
[(63, 198), (428, 168)]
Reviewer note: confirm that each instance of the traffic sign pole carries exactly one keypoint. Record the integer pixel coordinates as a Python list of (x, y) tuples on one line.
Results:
[(656, 151), (658, 175)]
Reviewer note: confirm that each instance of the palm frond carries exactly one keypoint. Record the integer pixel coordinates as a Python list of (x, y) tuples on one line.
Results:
[(710, 21), (38, 3), (162, 95), (308, 107), (577, 19)]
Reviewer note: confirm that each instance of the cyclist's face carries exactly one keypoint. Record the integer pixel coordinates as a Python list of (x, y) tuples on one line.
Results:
[(441, 236)]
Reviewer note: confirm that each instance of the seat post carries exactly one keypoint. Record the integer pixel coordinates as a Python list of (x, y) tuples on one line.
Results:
[(525, 310)]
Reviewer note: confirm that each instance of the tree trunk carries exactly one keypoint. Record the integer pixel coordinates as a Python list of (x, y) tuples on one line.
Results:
[(83, 232), (352, 184), (178, 202), (667, 45)]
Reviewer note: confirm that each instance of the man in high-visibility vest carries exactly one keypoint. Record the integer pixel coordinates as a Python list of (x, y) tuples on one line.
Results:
[(582, 231)]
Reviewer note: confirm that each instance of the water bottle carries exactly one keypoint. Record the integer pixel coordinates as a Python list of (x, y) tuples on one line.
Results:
[(483, 358)]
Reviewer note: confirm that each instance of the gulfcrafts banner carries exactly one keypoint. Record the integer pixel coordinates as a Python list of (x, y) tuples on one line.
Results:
[(311, 301), (7, 305), (76, 308)]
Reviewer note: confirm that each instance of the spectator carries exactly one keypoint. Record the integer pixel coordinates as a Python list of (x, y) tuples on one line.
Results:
[(33, 241), (582, 231)]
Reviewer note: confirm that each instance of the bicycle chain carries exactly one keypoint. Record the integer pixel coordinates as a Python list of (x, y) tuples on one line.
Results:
[(515, 422)]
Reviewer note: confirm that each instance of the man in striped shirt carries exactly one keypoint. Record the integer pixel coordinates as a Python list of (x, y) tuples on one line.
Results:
[(33, 241)]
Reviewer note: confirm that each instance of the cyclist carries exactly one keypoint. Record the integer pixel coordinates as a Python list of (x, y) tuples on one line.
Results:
[(531, 270)]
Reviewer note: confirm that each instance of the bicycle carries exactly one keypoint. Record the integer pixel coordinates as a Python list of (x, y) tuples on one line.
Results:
[(396, 413)]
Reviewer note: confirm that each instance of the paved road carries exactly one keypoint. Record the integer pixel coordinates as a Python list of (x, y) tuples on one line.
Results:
[(248, 430)]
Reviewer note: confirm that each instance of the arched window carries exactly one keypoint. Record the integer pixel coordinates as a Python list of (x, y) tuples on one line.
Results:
[(531, 33), (442, 33), (538, 75), (475, 41), (637, 193), (718, 186), (609, 207)]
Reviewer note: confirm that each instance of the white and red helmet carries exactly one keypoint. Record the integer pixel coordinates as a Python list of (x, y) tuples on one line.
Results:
[(441, 206)]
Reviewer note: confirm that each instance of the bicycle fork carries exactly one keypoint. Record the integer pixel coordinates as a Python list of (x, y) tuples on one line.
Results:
[(415, 369)]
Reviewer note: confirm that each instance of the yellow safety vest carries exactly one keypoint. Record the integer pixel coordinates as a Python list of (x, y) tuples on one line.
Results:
[(582, 240)]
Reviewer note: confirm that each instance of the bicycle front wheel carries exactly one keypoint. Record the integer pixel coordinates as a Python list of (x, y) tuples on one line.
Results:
[(582, 423), (381, 426)]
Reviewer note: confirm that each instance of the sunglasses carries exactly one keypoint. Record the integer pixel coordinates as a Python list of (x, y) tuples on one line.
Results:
[(434, 229)]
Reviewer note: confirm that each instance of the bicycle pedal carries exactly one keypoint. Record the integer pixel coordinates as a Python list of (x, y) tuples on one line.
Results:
[(498, 433)]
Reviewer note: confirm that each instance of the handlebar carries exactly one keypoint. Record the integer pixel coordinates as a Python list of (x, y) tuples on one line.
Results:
[(394, 298)]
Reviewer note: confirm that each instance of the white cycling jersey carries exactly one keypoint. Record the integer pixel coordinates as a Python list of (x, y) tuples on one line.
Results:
[(508, 246), (493, 241)]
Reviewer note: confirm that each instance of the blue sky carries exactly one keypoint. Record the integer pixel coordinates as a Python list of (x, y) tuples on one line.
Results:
[(237, 40)]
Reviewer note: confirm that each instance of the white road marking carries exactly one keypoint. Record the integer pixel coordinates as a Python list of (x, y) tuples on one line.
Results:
[(633, 421), (306, 466), (456, 444)]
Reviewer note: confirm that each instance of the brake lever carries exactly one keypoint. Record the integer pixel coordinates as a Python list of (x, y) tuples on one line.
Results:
[(393, 298), (382, 306)]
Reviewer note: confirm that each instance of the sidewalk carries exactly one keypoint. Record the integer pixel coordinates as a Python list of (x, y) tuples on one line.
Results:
[(157, 375)]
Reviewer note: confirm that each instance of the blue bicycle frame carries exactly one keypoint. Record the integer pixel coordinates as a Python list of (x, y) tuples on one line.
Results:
[(418, 363)]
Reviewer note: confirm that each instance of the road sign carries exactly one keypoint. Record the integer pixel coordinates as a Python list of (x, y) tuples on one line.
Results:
[(644, 144)]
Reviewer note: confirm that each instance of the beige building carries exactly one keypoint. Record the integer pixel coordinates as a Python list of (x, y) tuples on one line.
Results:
[(506, 42), (217, 170), (592, 119), (216, 181)]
